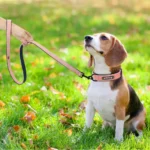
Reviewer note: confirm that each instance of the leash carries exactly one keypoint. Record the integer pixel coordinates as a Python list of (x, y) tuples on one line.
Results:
[(94, 77), (8, 33)]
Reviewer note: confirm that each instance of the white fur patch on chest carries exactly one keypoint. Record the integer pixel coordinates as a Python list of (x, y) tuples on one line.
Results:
[(103, 99)]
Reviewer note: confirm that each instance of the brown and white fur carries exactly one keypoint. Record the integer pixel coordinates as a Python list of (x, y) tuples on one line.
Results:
[(115, 101)]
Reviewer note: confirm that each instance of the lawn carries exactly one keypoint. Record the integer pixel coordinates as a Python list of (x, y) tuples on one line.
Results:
[(47, 111)]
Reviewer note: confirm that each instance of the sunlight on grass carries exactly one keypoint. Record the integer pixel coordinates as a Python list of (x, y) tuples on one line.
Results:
[(52, 94)]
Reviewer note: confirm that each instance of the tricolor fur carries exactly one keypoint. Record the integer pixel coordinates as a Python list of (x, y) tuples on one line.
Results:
[(115, 101)]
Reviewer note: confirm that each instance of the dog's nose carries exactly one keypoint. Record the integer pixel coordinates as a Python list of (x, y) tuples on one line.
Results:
[(88, 38)]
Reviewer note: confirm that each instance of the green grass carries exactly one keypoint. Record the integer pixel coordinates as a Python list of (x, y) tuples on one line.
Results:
[(59, 26)]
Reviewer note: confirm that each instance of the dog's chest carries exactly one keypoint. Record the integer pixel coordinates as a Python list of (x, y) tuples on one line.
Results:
[(103, 99)]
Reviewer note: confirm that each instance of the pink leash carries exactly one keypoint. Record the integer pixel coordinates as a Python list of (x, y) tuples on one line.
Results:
[(94, 77)]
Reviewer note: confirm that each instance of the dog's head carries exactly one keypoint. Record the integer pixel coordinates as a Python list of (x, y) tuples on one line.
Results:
[(106, 45)]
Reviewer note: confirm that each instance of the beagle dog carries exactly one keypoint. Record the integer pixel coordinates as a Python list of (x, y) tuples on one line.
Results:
[(114, 99)]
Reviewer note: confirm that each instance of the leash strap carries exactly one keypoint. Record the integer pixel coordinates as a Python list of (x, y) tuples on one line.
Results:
[(62, 62), (94, 77), (8, 36)]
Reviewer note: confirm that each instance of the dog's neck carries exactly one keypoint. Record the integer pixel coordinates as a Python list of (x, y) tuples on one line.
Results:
[(100, 67)]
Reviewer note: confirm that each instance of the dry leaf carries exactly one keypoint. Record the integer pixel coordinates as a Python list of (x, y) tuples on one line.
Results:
[(35, 137), (23, 146), (62, 113), (2, 104), (25, 99), (43, 88), (29, 116), (53, 75), (148, 87), (17, 66), (62, 96), (0, 76), (16, 128), (82, 105), (79, 87), (52, 148), (54, 91), (99, 147), (68, 131)]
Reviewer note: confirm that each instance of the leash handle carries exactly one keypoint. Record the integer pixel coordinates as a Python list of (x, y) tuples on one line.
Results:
[(8, 36)]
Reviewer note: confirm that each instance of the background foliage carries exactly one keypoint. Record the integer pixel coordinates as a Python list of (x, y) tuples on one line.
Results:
[(48, 110)]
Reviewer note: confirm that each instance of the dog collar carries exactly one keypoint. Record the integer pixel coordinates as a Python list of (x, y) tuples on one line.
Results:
[(106, 77)]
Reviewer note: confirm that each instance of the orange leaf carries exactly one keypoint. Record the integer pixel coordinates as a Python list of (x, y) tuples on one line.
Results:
[(23, 146), (2, 104), (16, 128), (69, 132), (25, 99), (29, 116)]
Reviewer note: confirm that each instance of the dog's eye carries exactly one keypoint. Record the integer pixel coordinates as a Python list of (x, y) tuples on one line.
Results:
[(103, 37)]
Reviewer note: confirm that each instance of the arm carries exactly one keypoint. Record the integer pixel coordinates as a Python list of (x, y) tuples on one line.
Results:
[(17, 31)]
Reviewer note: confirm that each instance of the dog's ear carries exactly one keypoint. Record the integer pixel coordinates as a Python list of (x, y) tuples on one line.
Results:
[(116, 55), (90, 62)]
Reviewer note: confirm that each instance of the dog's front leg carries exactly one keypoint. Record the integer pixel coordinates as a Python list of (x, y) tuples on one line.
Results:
[(90, 111), (120, 117)]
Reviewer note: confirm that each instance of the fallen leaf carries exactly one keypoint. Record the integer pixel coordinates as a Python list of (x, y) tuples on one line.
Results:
[(29, 116), (79, 87), (17, 66), (23, 146), (62, 113), (0, 76), (148, 87), (62, 95), (43, 88), (35, 137), (99, 147), (68, 131), (52, 148), (53, 75), (25, 99), (82, 105), (16, 128), (2, 104), (54, 91)]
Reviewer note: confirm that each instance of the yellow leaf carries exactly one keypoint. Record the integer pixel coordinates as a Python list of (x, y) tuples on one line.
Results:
[(2, 104), (54, 91), (53, 75), (69, 132), (23, 146)]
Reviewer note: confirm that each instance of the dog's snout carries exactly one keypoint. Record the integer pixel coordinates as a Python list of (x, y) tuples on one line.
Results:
[(88, 38)]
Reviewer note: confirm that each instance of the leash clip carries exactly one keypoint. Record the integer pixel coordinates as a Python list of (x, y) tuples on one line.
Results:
[(87, 77)]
